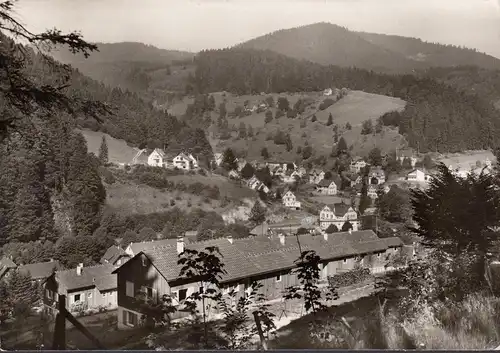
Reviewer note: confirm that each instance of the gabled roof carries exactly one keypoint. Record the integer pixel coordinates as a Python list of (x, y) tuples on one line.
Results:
[(261, 229), (40, 270), (315, 171), (160, 151), (339, 209), (140, 157), (334, 179), (146, 245), (247, 257), (112, 254), (100, 276)]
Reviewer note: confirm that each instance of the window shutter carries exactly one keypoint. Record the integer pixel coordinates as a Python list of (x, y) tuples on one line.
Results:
[(124, 317)]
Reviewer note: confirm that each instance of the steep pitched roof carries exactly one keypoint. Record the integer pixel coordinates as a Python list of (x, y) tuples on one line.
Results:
[(40, 270), (100, 276), (160, 151), (112, 254), (339, 209), (253, 256)]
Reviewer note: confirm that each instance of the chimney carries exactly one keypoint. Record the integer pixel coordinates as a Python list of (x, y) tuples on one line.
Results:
[(282, 239), (79, 269), (180, 244), (230, 239), (325, 236)]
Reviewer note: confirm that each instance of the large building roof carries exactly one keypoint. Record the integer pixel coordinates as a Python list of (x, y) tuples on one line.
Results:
[(100, 276), (247, 257), (40, 270)]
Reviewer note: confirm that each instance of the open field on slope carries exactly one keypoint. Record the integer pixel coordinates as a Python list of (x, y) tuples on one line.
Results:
[(388, 140), (359, 106), (466, 159), (118, 150)]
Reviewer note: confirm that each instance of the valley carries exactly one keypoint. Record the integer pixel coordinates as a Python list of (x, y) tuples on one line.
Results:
[(279, 181)]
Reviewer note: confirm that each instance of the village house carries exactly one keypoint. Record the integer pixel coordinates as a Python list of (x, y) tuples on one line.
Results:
[(115, 255), (290, 200), (402, 154), (255, 184), (218, 158), (40, 271), (85, 288), (356, 180), (357, 165), (418, 175), (329, 186), (372, 192), (134, 248), (185, 161), (376, 175), (328, 92), (337, 214), (302, 171), (6, 267), (158, 158), (291, 176), (316, 175), (154, 274)]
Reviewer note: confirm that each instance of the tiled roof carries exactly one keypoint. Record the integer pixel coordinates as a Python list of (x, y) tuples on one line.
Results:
[(340, 208), (253, 256), (146, 245), (261, 229), (99, 276), (40, 270), (112, 254)]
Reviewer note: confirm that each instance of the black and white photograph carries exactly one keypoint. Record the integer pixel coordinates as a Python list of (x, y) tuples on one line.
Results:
[(249, 175)]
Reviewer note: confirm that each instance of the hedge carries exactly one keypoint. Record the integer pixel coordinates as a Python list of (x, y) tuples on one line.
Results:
[(349, 278)]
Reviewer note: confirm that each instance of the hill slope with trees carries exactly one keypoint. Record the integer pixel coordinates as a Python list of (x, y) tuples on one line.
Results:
[(437, 117), (329, 44)]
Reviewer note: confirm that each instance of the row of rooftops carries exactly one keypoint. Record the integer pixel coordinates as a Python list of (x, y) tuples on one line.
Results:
[(37, 271), (257, 255)]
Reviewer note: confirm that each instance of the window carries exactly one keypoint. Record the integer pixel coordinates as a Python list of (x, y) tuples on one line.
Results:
[(182, 294), (200, 290), (278, 278), (345, 261), (144, 261), (48, 293), (76, 298), (129, 290), (103, 295), (129, 318)]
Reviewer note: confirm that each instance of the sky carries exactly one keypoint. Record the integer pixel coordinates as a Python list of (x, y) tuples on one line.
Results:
[(207, 24)]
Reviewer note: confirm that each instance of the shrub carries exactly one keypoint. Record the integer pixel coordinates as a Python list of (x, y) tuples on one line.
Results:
[(349, 278), (326, 103)]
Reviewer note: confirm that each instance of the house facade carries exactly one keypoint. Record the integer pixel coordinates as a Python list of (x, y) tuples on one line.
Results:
[(316, 175), (372, 192), (270, 261), (417, 175), (329, 186), (185, 161), (85, 288), (218, 158), (158, 158), (357, 165), (290, 200), (376, 176), (255, 184), (406, 153), (338, 214)]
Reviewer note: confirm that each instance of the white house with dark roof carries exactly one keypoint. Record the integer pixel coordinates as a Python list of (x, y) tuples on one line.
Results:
[(406, 153), (329, 186), (376, 175), (316, 175), (290, 200), (158, 158), (338, 214), (357, 165), (185, 161)]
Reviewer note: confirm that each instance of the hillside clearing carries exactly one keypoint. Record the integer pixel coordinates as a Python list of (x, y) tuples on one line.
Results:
[(118, 150), (466, 159)]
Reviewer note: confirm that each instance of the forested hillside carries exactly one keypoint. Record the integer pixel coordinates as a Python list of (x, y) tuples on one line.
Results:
[(329, 44), (151, 72), (132, 119), (471, 79), (437, 117)]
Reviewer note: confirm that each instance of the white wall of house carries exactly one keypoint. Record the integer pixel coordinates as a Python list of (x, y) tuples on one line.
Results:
[(155, 159)]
